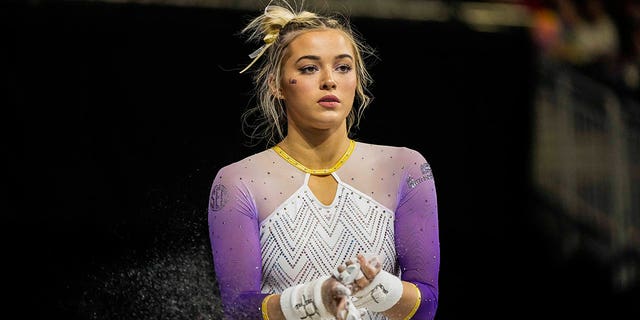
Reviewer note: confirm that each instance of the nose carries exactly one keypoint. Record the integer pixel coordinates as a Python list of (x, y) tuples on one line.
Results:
[(328, 83)]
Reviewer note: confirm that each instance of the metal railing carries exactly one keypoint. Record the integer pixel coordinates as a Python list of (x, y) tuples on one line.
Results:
[(586, 163)]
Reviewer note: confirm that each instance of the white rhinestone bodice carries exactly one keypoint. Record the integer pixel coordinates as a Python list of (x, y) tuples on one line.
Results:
[(304, 239)]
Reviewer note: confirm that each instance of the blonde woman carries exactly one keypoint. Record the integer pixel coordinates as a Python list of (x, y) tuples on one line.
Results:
[(318, 225)]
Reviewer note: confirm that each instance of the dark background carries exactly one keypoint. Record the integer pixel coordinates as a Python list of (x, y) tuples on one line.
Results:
[(120, 116)]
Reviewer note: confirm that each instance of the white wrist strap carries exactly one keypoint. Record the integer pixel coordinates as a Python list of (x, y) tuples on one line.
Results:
[(304, 301), (381, 294)]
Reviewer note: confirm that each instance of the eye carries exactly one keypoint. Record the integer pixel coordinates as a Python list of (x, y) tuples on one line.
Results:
[(308, 69), (344, 68)]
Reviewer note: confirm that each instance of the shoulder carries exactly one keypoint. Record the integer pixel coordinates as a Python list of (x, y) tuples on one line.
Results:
[(414, 172), (245, 167), (390, 153), (409, 161)]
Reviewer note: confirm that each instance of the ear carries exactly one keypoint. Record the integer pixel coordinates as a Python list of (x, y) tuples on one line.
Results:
[(275, 89)]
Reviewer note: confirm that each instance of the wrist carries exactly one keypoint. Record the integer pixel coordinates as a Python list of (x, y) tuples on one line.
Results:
[(265, 306), (304, 301), (384, 291)]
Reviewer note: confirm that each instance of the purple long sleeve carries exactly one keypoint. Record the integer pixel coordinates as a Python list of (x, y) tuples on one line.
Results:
[(417, 237), (234, 236)]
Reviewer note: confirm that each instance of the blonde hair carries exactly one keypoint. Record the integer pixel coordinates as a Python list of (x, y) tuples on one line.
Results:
[(276, 28)]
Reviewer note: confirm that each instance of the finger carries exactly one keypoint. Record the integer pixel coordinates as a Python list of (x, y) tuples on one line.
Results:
[(369, 268), (359, 276), (370, 259), (375, 262), (340, 290), (330, 294), (340, 294), (341, 308), (361, 282)]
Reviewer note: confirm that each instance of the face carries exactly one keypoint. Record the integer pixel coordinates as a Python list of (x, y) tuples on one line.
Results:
[(319, 80)]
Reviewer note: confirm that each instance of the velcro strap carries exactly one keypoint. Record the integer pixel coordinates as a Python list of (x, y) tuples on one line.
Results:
[(304, 301), (381, 294)]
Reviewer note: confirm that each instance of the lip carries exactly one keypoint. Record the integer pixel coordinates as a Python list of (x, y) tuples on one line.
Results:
[(329, 101)]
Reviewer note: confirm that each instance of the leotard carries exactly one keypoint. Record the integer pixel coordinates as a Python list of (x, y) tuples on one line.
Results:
[(268, 231)]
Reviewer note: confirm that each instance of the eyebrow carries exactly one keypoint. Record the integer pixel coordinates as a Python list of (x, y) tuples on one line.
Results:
[(312, 57)]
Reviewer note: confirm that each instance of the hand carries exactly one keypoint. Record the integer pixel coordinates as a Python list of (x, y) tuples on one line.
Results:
[(368, 269), (373, 288), (355, 275), (319, 299), (335, 296)]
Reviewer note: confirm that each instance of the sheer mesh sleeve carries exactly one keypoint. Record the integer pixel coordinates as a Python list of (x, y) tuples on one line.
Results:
[(234, 236), (417, 236)]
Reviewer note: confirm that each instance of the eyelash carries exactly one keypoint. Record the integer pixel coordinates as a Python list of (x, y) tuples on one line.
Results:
[(344, 68)]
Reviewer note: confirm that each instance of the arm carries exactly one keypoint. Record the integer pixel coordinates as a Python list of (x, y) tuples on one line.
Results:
[(235, 244), (417, 240)]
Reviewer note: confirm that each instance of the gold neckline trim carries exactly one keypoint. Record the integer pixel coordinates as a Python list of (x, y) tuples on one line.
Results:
[(316, 172)]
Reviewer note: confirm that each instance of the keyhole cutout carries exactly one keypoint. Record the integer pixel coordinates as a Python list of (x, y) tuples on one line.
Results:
[(324, 188)]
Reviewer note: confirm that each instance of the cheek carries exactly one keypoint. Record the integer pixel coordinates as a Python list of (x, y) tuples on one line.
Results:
[(350, 83), (296, 87)]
